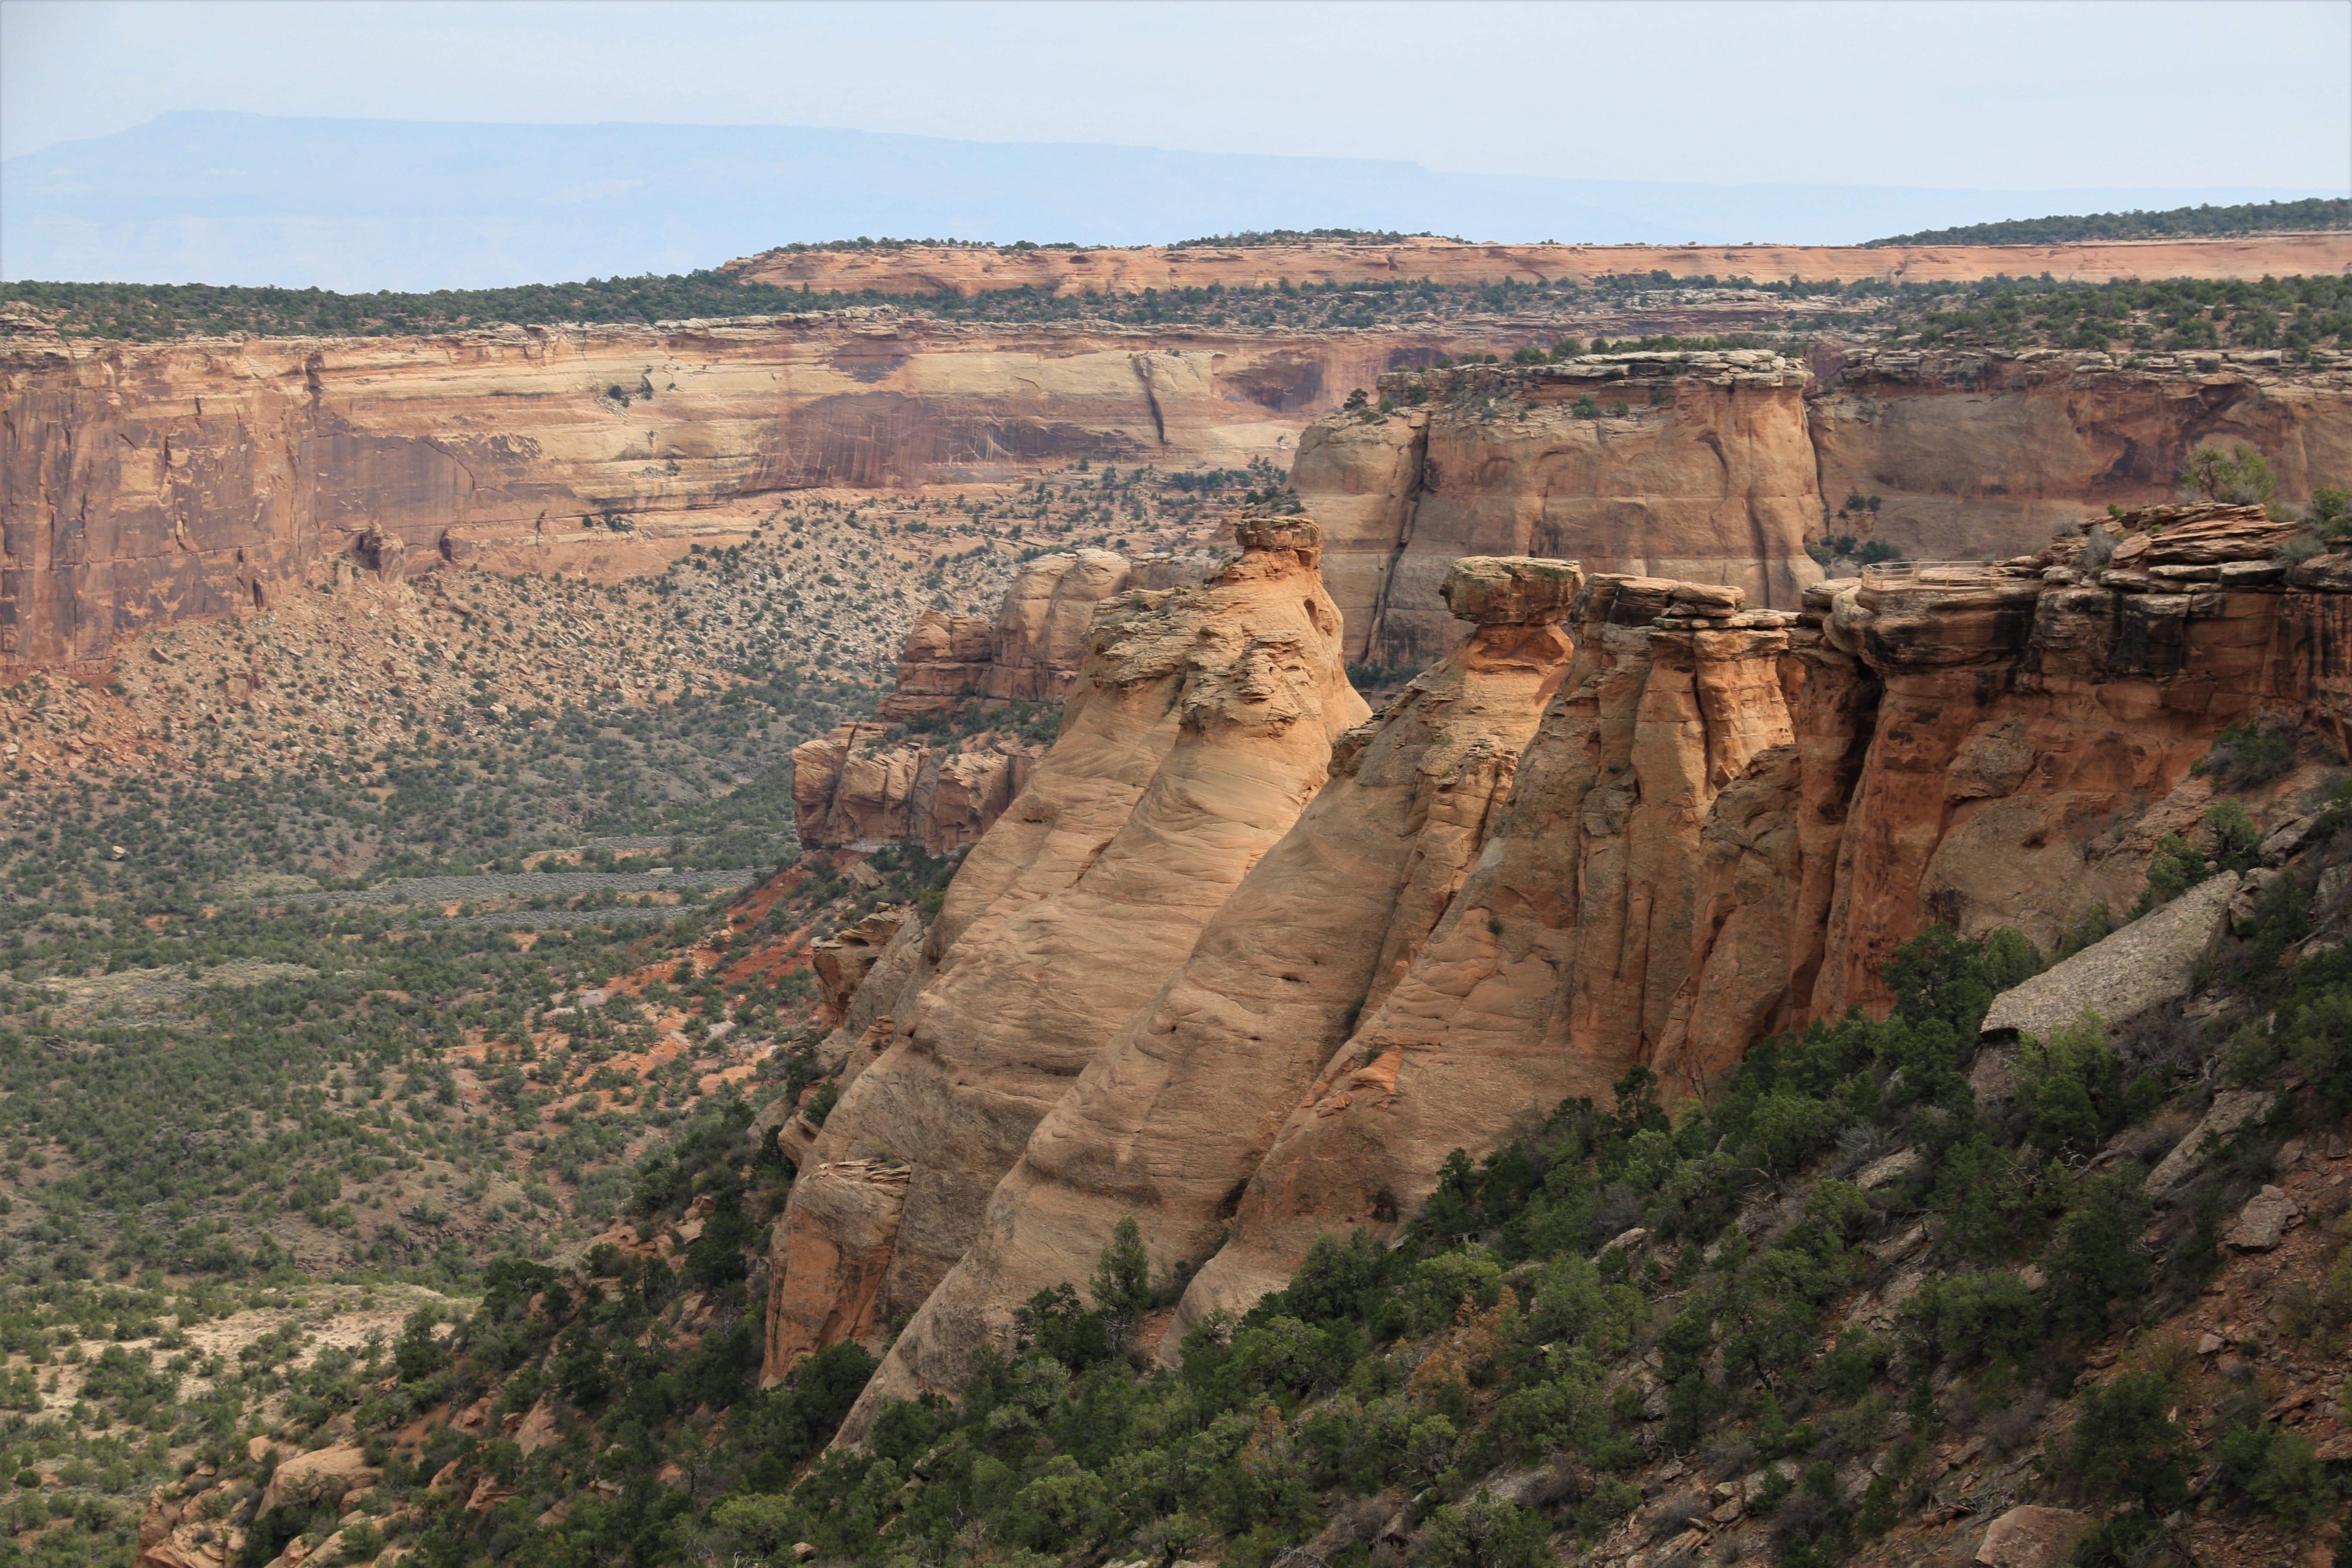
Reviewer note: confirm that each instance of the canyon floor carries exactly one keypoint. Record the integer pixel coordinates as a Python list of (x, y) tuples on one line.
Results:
[(307, 907)]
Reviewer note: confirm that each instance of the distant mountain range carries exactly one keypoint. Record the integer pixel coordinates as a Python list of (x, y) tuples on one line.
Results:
[(358, 204)]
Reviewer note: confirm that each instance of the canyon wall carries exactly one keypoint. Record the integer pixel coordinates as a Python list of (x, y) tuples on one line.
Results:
[(972, 270), (1689, 824), (1200, 727), (1170, 1116), (1694, 466), (865, 783), (1719, 467), (1979, 454), (146, 483)]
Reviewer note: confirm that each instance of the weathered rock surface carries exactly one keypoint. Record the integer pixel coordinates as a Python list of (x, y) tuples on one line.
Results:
[(1561, 960), (142, 484), (2124, 976), (1715, 834), (2263, 1224), (964, 269), (2231, 1111), (842, 959), (1723, 464), (1030, 653), (855, 787), (1200, 727), (1171, 1117), (2033, 1538), (1975, 455), (1705, 473)]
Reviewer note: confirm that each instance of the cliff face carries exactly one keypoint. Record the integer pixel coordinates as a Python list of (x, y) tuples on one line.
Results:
[(1696, 465), (147, 483), (956, 269), (1200, 728), (1539, 870), (858, 788), (1170, 1119), (1720, 466), (1721, 831), (1979, 454)]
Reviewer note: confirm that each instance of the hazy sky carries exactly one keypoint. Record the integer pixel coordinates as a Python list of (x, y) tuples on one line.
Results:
[(2010, 95)]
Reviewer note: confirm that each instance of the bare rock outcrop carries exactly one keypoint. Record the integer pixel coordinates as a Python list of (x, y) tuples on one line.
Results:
[(1563, 956), (842, 959), (859, 786), (1171, 1117), (1720, 466), (144, 484), (1719, 830), (1974, 453), (1696, 467), (968, 269), (855, 787), (1200, 728), (2123, 976), (1030, 653)]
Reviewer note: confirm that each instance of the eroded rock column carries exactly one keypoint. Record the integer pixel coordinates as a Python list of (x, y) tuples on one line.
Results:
[(1200, 728), (1169, 1120)]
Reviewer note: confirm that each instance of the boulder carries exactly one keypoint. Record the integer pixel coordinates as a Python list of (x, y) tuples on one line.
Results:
[(2033, 1538), (842, 960), (323, 1472), (2263, 1224), (2145, 965), (2230, 1109), (1510, 590), (1901, 1165)]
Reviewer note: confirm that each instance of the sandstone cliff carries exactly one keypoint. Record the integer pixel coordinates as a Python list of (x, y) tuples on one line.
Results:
[(855, 787), (1694, 466), (1721, 828), (861, 786), (968, 269), (1719, 467), (146, 483), (1170, 1119), (1977, 454), (1200, 726)]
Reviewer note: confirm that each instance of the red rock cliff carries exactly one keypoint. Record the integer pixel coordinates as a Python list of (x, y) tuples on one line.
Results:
[(1719, 467), (970, 269), (1200, 728), (145, 483)]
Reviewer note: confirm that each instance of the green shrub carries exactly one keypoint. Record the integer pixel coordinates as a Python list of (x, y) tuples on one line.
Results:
[(2236, 474), (2174, 868), (2247, 755), (1486, 1532), (2097, 1263), (2126, 1448), (2277, 1470)]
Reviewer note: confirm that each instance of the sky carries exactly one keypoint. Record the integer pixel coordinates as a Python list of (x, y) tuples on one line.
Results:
[(2014, 96)]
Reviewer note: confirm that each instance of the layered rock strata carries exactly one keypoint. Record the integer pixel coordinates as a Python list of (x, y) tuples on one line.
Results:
[(1689, 465), (1983, 454), (863, 784), (856, 788), (1075, 269), (1719, 831), (1200, 726), (146, 483), (1170, 1119), (1720, 467)]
